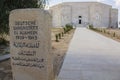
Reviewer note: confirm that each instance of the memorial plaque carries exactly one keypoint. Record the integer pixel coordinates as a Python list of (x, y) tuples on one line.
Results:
[(30, 44)]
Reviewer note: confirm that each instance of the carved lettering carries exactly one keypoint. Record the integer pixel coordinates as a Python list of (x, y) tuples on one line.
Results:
[(27, 53), (28, 59), (28, 64), (25, 22), (26, 30), (26, 44)]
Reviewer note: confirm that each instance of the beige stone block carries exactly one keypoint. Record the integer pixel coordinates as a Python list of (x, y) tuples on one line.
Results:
[(30, 44)]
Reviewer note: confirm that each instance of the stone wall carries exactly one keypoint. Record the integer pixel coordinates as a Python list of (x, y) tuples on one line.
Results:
[(100, 15), (114, 18), (79, 10), (56, 16), (95, 13)]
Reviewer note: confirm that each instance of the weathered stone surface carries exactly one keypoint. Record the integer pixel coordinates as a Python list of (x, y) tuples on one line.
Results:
[(96, 13), (30, 43)]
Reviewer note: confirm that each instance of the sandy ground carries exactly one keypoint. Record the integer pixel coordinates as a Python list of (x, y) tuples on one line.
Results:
[(58, 49), (117, 34), (110, 32)]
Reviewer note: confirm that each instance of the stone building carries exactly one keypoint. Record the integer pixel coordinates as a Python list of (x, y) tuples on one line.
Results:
[(84, 14)]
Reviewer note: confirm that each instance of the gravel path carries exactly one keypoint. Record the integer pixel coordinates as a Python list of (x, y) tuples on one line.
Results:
[(91, 56)]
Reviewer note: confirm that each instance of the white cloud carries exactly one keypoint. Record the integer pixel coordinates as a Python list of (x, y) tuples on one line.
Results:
[(117, 2), (100, 0)]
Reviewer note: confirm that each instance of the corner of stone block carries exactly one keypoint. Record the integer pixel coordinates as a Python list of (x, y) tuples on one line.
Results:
[(13, 11)]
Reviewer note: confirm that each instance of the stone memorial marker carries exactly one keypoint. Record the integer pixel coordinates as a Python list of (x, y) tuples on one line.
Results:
[(30, 43)]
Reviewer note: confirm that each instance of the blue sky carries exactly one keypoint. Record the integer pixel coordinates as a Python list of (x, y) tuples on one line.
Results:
[(114, 3)]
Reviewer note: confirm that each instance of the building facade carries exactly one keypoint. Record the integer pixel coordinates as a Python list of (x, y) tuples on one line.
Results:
[(84, 14)]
